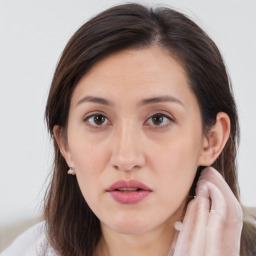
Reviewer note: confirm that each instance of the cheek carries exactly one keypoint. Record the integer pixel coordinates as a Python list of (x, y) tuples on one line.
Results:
[(176, 166), (89, 169), (86, 153), (90, 161)]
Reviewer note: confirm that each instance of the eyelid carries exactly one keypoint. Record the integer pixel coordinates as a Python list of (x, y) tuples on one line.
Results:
[(162, 112), (93, 113)]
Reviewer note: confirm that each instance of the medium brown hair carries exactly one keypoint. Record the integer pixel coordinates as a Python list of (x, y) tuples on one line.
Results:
[(73, 229)]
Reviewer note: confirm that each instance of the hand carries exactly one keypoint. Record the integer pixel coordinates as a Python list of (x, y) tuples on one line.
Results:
[(213, 221)]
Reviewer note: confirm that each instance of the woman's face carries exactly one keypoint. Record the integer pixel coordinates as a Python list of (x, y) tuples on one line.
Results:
[(133, 119)]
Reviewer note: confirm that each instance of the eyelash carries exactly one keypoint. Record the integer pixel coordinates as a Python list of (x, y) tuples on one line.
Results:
[(154, 126)]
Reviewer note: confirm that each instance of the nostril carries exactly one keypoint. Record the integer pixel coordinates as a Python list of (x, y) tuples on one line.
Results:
[(116, 167), (126, 167)]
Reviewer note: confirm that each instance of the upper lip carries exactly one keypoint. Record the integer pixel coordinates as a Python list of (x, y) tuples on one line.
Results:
[(128, 184)]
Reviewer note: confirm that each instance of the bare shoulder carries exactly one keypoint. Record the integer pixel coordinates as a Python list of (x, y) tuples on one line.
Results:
[(31, 243)]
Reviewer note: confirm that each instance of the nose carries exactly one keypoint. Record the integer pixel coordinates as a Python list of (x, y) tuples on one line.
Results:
[(127, 148)]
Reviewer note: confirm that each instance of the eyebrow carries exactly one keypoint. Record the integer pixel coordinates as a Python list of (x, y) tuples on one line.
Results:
[(160, 99), (95, 100), (144, 102)]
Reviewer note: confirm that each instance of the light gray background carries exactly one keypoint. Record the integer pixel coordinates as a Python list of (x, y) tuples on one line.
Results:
[(33, 35)]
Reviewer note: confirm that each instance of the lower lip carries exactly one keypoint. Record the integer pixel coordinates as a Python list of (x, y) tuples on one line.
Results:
[(129, 197)]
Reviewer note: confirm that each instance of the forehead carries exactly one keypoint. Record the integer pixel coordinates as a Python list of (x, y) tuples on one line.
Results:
[(149, 62), (136, 73)]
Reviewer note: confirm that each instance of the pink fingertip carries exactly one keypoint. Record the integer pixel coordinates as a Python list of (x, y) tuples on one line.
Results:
[(206, 170), (202, 190)]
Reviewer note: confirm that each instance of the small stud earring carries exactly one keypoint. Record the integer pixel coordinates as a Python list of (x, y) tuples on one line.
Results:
[(71, 171)]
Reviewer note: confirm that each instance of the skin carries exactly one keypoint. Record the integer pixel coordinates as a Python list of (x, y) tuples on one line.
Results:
[(129, 141)]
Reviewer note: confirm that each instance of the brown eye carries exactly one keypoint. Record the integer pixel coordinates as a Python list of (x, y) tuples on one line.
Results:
[(157, 119), (99, 119)]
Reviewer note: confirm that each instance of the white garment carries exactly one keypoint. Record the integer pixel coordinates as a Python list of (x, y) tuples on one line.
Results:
[(32, 242)]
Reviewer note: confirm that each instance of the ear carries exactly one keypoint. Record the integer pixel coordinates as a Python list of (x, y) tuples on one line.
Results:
[(62, 143), (215, 140)]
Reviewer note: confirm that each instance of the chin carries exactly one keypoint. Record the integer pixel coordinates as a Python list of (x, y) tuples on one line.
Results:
[(131, 229), (134, 225)]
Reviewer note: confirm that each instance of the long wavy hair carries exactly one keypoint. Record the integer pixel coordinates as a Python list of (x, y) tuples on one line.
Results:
[(72, 227)]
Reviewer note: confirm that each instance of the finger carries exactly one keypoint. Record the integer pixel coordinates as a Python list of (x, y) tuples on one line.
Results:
[(234, 210), (191, 239), (216, 221), (232, 237), (174, 242), (226, 212)]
